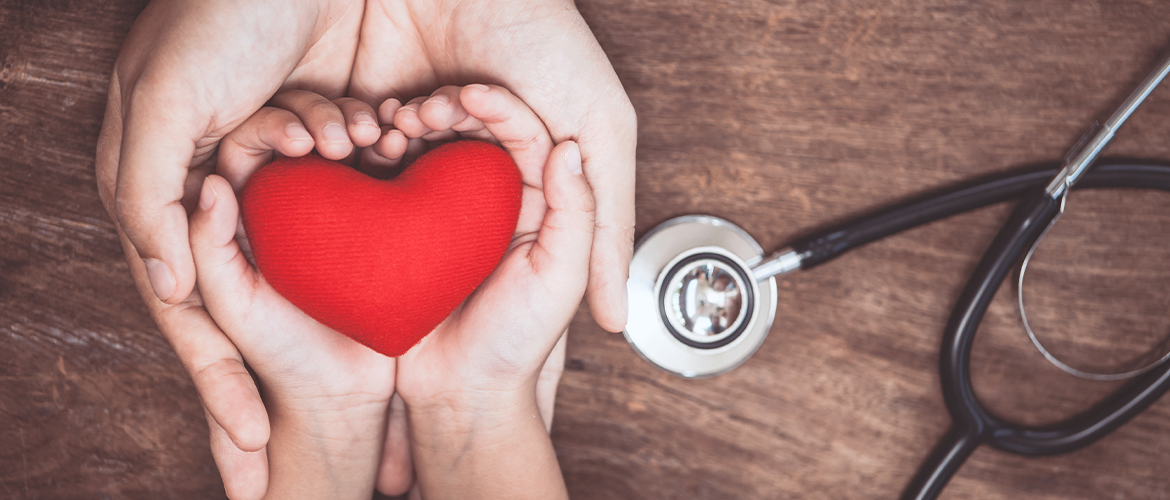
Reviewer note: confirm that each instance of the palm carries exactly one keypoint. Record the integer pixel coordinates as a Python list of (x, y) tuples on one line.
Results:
[(545, 54), (311, 360), (467, 348), (410, 48), (286, 339)]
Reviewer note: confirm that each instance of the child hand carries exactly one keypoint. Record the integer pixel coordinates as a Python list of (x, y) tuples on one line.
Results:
[(478, 371), (296, 122), (327, 396)]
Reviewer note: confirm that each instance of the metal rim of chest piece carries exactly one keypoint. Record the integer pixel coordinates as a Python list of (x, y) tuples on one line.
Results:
[(696, 309)]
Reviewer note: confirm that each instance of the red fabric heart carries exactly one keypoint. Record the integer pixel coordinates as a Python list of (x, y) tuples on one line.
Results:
[(383, 262)]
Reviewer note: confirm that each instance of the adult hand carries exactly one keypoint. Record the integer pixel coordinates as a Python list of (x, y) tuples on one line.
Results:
[(543, 52), (189, 72)]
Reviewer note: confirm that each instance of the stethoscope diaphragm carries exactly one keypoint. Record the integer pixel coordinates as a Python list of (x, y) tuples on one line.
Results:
[(696, 309)]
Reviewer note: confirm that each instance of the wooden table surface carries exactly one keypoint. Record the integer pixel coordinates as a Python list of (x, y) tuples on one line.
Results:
[(781, 115)]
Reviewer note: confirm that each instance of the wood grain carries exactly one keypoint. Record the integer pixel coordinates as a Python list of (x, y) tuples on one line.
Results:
[(783, 116)]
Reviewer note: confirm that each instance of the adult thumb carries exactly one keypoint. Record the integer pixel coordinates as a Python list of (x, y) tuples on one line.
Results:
[(155, 159)]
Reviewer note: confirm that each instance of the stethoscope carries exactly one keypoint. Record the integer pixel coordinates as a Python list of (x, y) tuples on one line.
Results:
[(703, 295)]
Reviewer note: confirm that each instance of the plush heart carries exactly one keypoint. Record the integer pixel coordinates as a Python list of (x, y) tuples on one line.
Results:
[(383, 262)]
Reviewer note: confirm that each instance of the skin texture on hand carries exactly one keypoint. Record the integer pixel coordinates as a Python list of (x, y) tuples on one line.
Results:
[(328, 396), (188, 74), (470, 386), (544, 53), (191, 71)]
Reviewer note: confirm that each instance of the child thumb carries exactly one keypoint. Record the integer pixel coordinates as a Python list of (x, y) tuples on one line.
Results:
[(223, 271), (562, 247)]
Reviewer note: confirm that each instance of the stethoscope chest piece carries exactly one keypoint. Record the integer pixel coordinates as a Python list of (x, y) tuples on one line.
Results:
[(696, 309)]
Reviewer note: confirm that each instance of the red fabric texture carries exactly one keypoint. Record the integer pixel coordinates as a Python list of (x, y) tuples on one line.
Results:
[(383, 262)]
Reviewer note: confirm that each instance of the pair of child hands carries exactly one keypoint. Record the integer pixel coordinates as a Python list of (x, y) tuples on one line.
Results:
[(465, 398)]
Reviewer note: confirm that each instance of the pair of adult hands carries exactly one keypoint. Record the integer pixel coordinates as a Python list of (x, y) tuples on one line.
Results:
[(190, 72)]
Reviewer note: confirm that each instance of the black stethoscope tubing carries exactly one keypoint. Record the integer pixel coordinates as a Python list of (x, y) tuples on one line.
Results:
[(974, 425)]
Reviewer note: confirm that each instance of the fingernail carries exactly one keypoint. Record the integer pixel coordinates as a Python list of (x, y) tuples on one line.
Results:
[(334, 132), (573, 159), (479, 87), (206, 196), (162, 280), (297, 132), (364, 118), (439, 99)]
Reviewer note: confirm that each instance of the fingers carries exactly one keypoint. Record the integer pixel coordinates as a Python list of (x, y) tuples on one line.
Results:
[(155, 153), (216, 367), (224, 385), (244, 304), (231, 397), (245, 473), (549, 379), (608, 148), (232, 290), (250, 146), (443, 110), (281, 128), (362, 126), (563, 244), (513, 124), (396, 471), (323, 119), (236, 414), (213, 231), (408, 120)]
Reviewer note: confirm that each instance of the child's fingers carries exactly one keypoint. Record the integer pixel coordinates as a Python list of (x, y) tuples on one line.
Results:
[(407, 120), (387, 109), (243, 303), (392, 145), (513, 124), (245, 306), (250, 146), (321, 117), (377, 166), (532, 208), (363, 127), (560, 256), (245, 473), (443, 111), (213, 233)]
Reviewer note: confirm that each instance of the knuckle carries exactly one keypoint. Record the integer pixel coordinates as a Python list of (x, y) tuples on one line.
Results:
[(125, 209), (321, 108), (523, 143), (218, 369), (447, 90)]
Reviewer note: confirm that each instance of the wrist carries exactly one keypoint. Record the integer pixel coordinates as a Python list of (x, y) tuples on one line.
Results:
[(464, 407), (479, 449), (318, 452)]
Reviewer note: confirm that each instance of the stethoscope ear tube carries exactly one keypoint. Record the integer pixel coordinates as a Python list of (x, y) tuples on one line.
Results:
[(826, 245), (970, 426), (974, 425)]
